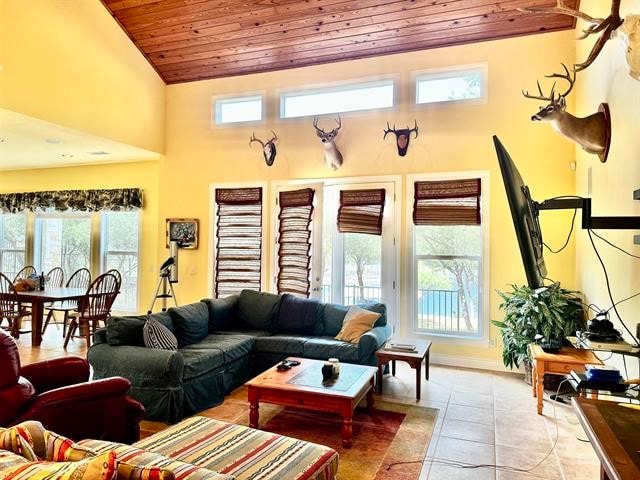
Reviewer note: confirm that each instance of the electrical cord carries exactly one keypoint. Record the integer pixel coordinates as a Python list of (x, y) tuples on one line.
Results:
[(606, 278), (614, 245), (620, 301), (506, 468), (566, 242)]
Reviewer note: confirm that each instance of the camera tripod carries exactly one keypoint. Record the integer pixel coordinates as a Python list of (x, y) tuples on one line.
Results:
[(166, 287)]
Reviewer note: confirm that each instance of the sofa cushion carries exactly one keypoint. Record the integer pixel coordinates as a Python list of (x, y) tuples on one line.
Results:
[(297, 315), (357, 322), (128, 330), (258, 309), (285, 344), (190, 323), (324, 348), (232, 346), (222, 312), (250, 333), (199, 361), (333, 317)]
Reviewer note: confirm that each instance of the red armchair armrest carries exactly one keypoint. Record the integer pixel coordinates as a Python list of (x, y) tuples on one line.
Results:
[(56, 373), (99, 409)]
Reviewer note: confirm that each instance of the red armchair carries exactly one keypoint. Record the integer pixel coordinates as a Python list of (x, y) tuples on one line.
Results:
[(58, 394)]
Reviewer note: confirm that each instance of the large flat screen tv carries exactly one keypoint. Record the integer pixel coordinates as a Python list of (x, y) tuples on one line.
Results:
[(525, 218)]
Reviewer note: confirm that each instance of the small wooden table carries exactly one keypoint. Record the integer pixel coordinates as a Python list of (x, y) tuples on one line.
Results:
[(302, 387), (38, 298), (415, 359), (613, 431), (561, 363)]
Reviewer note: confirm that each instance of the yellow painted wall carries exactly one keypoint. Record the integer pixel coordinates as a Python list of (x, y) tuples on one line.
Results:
[(613, 183), (452, 138), (68, 62), (137, 175)]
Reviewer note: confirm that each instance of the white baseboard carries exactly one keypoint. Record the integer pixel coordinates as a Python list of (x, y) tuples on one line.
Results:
[(469, 362)]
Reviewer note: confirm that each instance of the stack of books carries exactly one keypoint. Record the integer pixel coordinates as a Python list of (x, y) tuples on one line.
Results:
[(400, 347)]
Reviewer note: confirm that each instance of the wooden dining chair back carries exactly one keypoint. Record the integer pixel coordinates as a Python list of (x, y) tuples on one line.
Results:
[(10, 307), (55, 277), (25, 272), (81, 278), (118, 275), (94, 307)]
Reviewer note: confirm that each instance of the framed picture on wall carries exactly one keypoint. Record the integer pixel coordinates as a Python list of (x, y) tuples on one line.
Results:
[(184, 231)]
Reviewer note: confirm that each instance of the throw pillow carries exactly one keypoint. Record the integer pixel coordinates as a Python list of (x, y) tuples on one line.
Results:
[(18, 440), (357, 322), (128, 330), (102, 467), (380, 308), (61, 449), (257, 310), (127, 471), (190, 323), (158, 336), (297, 315)]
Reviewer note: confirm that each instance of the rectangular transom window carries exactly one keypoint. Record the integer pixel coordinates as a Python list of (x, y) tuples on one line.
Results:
[(344, 98), (238, 109), (467, 84)]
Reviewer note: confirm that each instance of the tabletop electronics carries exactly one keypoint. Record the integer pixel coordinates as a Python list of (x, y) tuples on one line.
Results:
[(287, 364)]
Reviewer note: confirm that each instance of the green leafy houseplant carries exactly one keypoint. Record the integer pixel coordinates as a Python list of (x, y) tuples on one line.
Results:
[(551, 311)]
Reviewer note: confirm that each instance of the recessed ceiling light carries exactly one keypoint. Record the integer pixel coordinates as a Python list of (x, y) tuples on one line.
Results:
[(52, 140), (67, 155)]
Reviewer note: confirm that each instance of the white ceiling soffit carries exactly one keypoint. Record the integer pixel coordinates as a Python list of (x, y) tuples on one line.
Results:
[(27, 142)]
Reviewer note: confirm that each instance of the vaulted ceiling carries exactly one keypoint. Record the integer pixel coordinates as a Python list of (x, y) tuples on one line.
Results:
[(187, 40)]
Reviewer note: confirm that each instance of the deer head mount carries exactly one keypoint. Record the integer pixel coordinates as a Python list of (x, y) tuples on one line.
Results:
[(606, 28), (403, 136), (268, 148), (332, 156), (592, 133)]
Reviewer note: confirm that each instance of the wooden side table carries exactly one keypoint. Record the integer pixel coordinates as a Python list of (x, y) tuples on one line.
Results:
[(414, 359), (561, 363)]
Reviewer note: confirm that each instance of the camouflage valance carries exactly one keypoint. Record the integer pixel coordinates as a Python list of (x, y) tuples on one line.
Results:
[(73, 200)]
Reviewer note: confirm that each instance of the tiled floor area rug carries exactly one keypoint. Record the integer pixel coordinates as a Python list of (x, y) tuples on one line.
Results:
[(391, 434)]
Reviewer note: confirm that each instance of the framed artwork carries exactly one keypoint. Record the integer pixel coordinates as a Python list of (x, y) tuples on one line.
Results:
[(184, 231)]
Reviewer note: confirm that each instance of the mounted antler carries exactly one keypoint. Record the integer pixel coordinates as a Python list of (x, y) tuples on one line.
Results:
[(332, 155), (268, 149), (603, 26), (592, 133), (403, 136)]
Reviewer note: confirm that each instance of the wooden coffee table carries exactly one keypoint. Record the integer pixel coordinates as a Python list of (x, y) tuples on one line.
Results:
[(302, 387)]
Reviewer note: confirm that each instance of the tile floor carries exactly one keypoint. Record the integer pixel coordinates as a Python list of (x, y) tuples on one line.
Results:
[(484, 418)]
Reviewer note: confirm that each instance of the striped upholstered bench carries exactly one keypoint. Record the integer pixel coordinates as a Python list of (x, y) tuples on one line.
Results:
[(227, 451)]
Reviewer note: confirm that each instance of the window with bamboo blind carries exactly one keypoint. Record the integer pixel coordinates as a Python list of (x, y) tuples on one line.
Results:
[(294, 241), (238, 249), (447, 202), (361, 211)]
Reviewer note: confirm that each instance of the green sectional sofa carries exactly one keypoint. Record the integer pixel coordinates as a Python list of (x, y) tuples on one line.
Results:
[(222, 343)]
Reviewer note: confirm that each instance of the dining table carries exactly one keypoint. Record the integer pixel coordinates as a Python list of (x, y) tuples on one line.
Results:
[(38, 299)]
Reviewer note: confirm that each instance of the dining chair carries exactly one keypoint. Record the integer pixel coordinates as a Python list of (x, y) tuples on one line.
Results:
[(81, 278), (55, 277), (93, 308), (117, 274), (10, 306), (25, 272)]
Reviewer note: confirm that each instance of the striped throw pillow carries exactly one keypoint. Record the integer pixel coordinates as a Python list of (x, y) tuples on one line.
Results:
[(158, 336), (103, 467)]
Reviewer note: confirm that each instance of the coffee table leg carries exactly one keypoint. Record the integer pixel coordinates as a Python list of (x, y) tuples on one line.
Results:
[(347, 431), (371, 399), (254, 415)]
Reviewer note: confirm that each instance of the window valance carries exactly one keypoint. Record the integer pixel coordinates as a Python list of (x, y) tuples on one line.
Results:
[(447, 202), (361, 211), (117, 199)]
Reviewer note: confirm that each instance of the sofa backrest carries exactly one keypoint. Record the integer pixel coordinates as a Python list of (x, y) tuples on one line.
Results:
[(127, 330)]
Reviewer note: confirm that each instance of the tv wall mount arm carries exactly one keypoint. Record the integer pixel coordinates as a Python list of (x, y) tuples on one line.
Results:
[(589, 221)]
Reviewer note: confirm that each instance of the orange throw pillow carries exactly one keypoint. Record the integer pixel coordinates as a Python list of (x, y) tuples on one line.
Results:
[(356, 323)]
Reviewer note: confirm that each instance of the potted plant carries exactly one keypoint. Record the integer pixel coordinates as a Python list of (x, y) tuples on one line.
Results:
[(550, 311)]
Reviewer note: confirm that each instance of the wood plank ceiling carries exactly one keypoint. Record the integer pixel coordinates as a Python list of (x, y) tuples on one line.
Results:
[(187, 40)]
